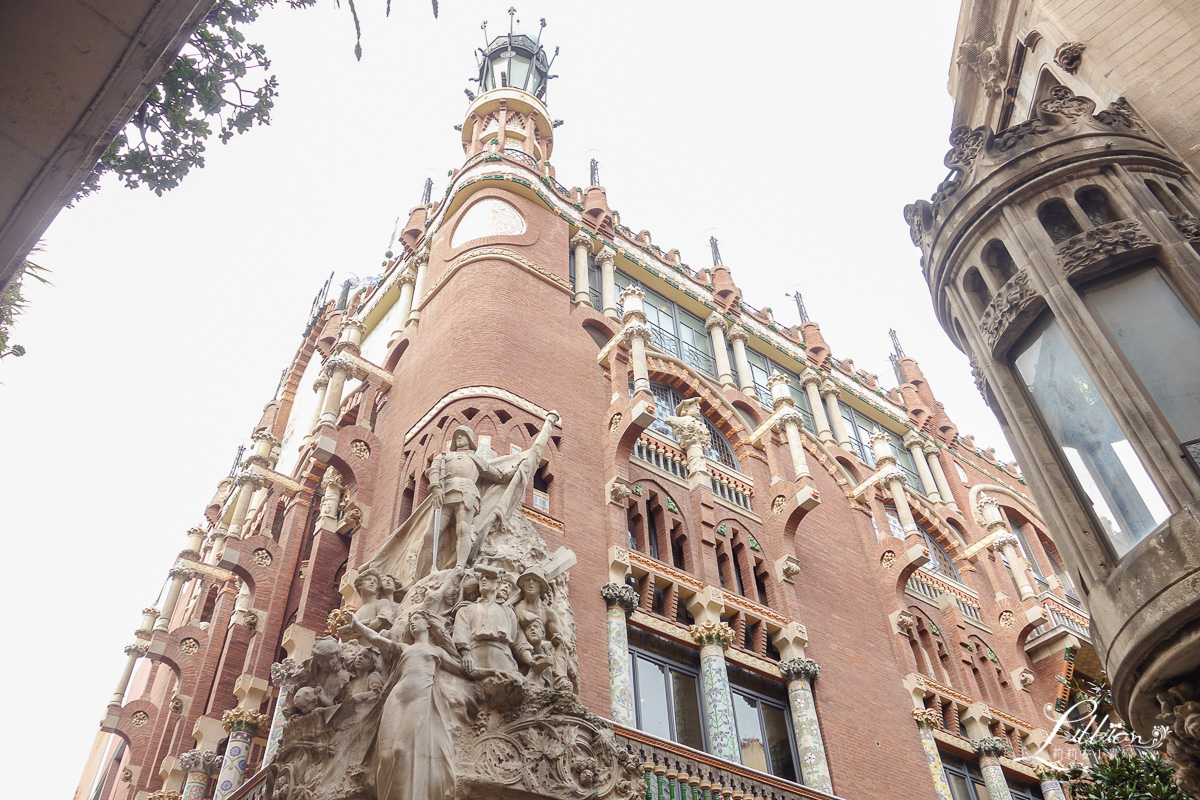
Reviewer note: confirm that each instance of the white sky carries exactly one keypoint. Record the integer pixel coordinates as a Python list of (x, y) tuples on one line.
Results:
[(794, 132)]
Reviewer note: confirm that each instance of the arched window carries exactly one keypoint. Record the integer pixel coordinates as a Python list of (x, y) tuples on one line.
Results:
[(977, 290), (1057, 220), (939, 560), (1095, 205), (1188, 204), (1170, 204), (996, 256), (665, 401)]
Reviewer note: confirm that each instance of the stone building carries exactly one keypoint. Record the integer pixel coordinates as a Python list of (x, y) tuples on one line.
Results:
[(784, 579), (1061, 252)]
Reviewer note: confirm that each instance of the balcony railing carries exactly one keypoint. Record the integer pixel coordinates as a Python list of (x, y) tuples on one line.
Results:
[(728, 487), (513, 154), (675, 772), (932, 587), (659, 454), (1061, 615)]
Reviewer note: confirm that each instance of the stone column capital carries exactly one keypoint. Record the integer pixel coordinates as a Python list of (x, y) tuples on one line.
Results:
[(829, 388), (796, 668), (811, 376), (351, 324), (929, 448), (878, 436), (321, 382), (407, 275), (264, 436), (715, 320), (254, 479), (609, 256), (778, 377), (927, 718), (136, 650), (913, 439), (203, 761), (737, 333), (338, 364), (710, 632), (284, 672), (636, 330), (581, 239), (244, 719), (992, 746), (786, 417), (1003, 540), (894, 473), (620, 595), (420, 259), (181, 573)]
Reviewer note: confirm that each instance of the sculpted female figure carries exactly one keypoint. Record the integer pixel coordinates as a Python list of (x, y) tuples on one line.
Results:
[(414, 751), (380, 607)]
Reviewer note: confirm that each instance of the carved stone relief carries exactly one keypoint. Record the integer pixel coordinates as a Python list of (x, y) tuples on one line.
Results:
[(986, 60), (1014, 299), (1069, 56), (1100, 242)]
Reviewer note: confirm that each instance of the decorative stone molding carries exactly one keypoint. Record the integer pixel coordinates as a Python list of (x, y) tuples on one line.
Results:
[(1101, 242), (1062, 102), (927, 718), (829, 388), (264, 436), (777, 378), (979, 378), (905, 621), (205, 761), (162, 795), (252, 478), (284, 672), (709, 632), (1119, 114), (607, 254), (321, 382), (620, 493), (420, 259), (789, 568), (244, 719), (618, 594), (138, 650), (338, 364), (360, 449), (894, 473), (1007, 619), (1012, 300), (715, 320), (1026, 676), (929, 448), (182, 573), (1180, 711), (261, 557), (796, 668), (913, 439), (636, 330), (350, 324), (688, 424), (1188, 226), (992, 746), (1069, 56), (139, 719), (189, 646)]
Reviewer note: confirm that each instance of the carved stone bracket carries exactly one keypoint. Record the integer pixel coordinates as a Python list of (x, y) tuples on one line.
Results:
[(797, 668), (989, 746), (1016, 299), (1063, 103), (1101, 242), (620, 595), (1069, 56)]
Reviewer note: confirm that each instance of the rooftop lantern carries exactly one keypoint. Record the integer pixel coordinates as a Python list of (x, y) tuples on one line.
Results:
[(515, 61)]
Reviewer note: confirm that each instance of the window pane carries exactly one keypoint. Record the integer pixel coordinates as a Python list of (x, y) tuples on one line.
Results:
[(779, 742), (1113, 479), (1142, 313), (960, 789), (689, 730), (652, 698), (754, 753)]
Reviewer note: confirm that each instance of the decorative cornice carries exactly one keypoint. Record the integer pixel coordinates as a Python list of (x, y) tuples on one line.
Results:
[(797, 668), (992, 746), (710, 632), (927, 718), (284, 672), (244, 719), (616, 594)]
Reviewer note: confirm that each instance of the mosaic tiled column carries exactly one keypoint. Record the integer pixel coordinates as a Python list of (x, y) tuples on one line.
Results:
[(199, 765), (713, 638), (989, 750), (1051, 788), (927, 719), (621, 600), (243, 725), (800, 674), (282, 675)]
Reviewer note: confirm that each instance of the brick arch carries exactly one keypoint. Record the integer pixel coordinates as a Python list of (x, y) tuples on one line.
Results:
[(396, 352), (925, 637)]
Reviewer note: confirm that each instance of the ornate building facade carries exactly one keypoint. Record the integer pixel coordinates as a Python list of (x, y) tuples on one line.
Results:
[(1061, 252), (656, 543)]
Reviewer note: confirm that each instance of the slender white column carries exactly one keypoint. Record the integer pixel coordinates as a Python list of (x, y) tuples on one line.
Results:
[(179, 575), (637, 335), (248, 483), (737, 340), (894, 478), (1006, 542), (583, 245), (830, 393), (134, 652), (606, 258), (939, 476), (421, 263), (321, 387), (811, 381), (338, 369), (407, 281), (716, 331), (914, 442), (789, 421)]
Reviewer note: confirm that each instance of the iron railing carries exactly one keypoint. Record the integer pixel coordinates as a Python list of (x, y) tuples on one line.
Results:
[(520, 157)]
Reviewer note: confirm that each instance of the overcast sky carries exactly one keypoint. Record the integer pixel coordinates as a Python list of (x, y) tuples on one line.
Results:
[(794, 132)]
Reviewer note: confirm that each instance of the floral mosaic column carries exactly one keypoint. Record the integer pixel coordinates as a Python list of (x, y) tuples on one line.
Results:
[(621, 600), (800, 674), (199, 766), (1051, 788), (927, 719), (990, 749), (713, 638), (282, 675), (243, 724)]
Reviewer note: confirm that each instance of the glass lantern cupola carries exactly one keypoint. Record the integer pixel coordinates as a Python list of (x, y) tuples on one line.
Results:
[(515, 61)]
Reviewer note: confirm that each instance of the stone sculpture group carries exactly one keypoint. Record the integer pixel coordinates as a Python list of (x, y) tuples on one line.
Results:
[(455, 677)]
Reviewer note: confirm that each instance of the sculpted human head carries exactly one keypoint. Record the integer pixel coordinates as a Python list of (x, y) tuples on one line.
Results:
[(463, 439), (327, 653), (387, 585), (368, 582)]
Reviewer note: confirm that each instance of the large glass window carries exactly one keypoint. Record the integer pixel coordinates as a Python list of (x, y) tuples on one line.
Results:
[(1114, 482), (675, 330), (966, 782), (1161, 341), (667, 699), (761, 368), (764, 735), (860, 428)]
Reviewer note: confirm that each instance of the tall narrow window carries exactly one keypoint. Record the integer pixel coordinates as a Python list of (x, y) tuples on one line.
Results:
[(652, 529), (1095, 206), (1057, 220), (996, 256), (737, 571), (976, 290), (1170, 204), (1116, 485)]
